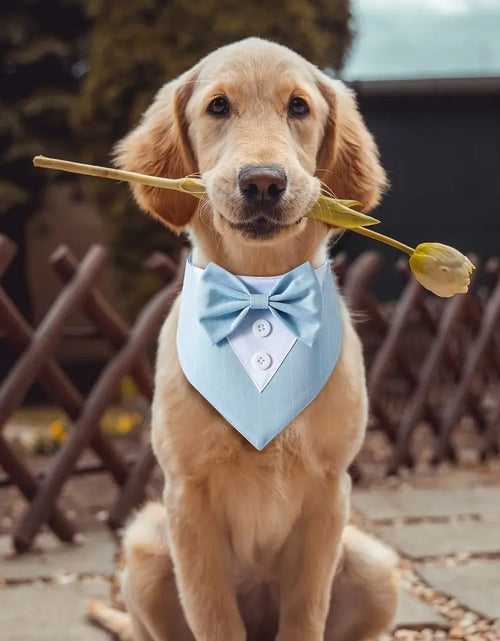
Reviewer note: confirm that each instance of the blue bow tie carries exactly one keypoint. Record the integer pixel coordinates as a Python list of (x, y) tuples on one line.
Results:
[(224, 301)]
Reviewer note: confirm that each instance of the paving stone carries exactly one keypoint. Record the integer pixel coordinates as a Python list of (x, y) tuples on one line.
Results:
[(39, 611), (410, 503), (436, 539), (51, 557), (454, 478), (413, 613), (474, 584)]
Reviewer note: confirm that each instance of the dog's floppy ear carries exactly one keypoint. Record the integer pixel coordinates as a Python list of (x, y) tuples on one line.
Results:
[(159, 146), (348, 160)]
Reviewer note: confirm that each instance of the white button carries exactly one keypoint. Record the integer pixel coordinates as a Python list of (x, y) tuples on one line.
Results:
[(261, 360), (262, 328)]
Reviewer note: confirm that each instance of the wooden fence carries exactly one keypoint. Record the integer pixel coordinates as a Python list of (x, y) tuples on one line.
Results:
[(428, 360)]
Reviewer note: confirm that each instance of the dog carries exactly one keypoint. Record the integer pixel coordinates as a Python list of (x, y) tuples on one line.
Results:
[(254, 544)]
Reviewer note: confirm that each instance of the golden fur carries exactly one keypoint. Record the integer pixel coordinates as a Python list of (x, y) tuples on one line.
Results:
[(255, 539)]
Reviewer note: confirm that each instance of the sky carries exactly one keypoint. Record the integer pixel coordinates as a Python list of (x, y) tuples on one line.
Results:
[(424, 39)]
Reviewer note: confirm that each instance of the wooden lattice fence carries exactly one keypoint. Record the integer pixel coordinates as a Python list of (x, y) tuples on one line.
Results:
[(428, 361)]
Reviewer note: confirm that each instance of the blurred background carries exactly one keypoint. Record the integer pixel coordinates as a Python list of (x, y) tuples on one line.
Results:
[(77, 74), (75, 372)]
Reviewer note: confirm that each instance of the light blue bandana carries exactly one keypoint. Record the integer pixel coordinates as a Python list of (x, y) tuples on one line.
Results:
[(259, 349)]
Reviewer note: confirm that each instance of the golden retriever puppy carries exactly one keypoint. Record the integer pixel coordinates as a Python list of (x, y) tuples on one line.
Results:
[(254, 539)]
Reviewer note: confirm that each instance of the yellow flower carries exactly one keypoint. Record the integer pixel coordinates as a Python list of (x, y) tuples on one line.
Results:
[(58, 430), (441, 269), (124, 424)]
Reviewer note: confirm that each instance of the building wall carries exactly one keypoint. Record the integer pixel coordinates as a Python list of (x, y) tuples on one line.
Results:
[(442, 154)]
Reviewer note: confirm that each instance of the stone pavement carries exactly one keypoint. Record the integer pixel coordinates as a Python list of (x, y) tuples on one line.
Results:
[(445, 528), (43, 594)]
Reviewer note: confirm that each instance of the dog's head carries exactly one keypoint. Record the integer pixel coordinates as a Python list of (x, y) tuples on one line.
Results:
[(267, 131)]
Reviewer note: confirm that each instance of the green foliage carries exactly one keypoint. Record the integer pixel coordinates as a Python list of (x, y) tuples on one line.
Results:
[(138, 45), (41, 44)]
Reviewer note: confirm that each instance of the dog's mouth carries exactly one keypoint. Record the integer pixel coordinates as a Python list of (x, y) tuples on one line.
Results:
[(262, 227)]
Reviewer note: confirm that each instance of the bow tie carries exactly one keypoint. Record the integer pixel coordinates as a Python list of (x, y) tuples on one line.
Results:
[(224, 301)]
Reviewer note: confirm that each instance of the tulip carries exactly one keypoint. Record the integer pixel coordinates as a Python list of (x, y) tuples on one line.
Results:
[(440, 268)]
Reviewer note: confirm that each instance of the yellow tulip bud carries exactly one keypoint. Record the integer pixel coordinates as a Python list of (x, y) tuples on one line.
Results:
[(441, 269)]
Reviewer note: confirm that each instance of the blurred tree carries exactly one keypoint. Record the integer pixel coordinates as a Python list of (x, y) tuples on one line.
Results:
[(138, 45), (41, 44)]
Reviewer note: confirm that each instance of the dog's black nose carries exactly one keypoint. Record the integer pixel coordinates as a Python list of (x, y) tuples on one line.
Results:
[(262, 185)]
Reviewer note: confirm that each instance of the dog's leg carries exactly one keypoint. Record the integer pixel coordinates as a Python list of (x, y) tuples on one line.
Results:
[(154, 612), (309, 560), (365, 589), (201, 553), (148, 584)]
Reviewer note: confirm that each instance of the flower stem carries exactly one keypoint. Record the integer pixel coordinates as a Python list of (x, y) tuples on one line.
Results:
[(178, 184), (384, 239)]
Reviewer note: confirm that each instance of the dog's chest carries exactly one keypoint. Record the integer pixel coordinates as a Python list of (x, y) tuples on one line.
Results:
[(260, 509)]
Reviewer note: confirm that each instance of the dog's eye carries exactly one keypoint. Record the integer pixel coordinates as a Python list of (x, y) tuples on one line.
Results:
[(219, 107), (298, 108)]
